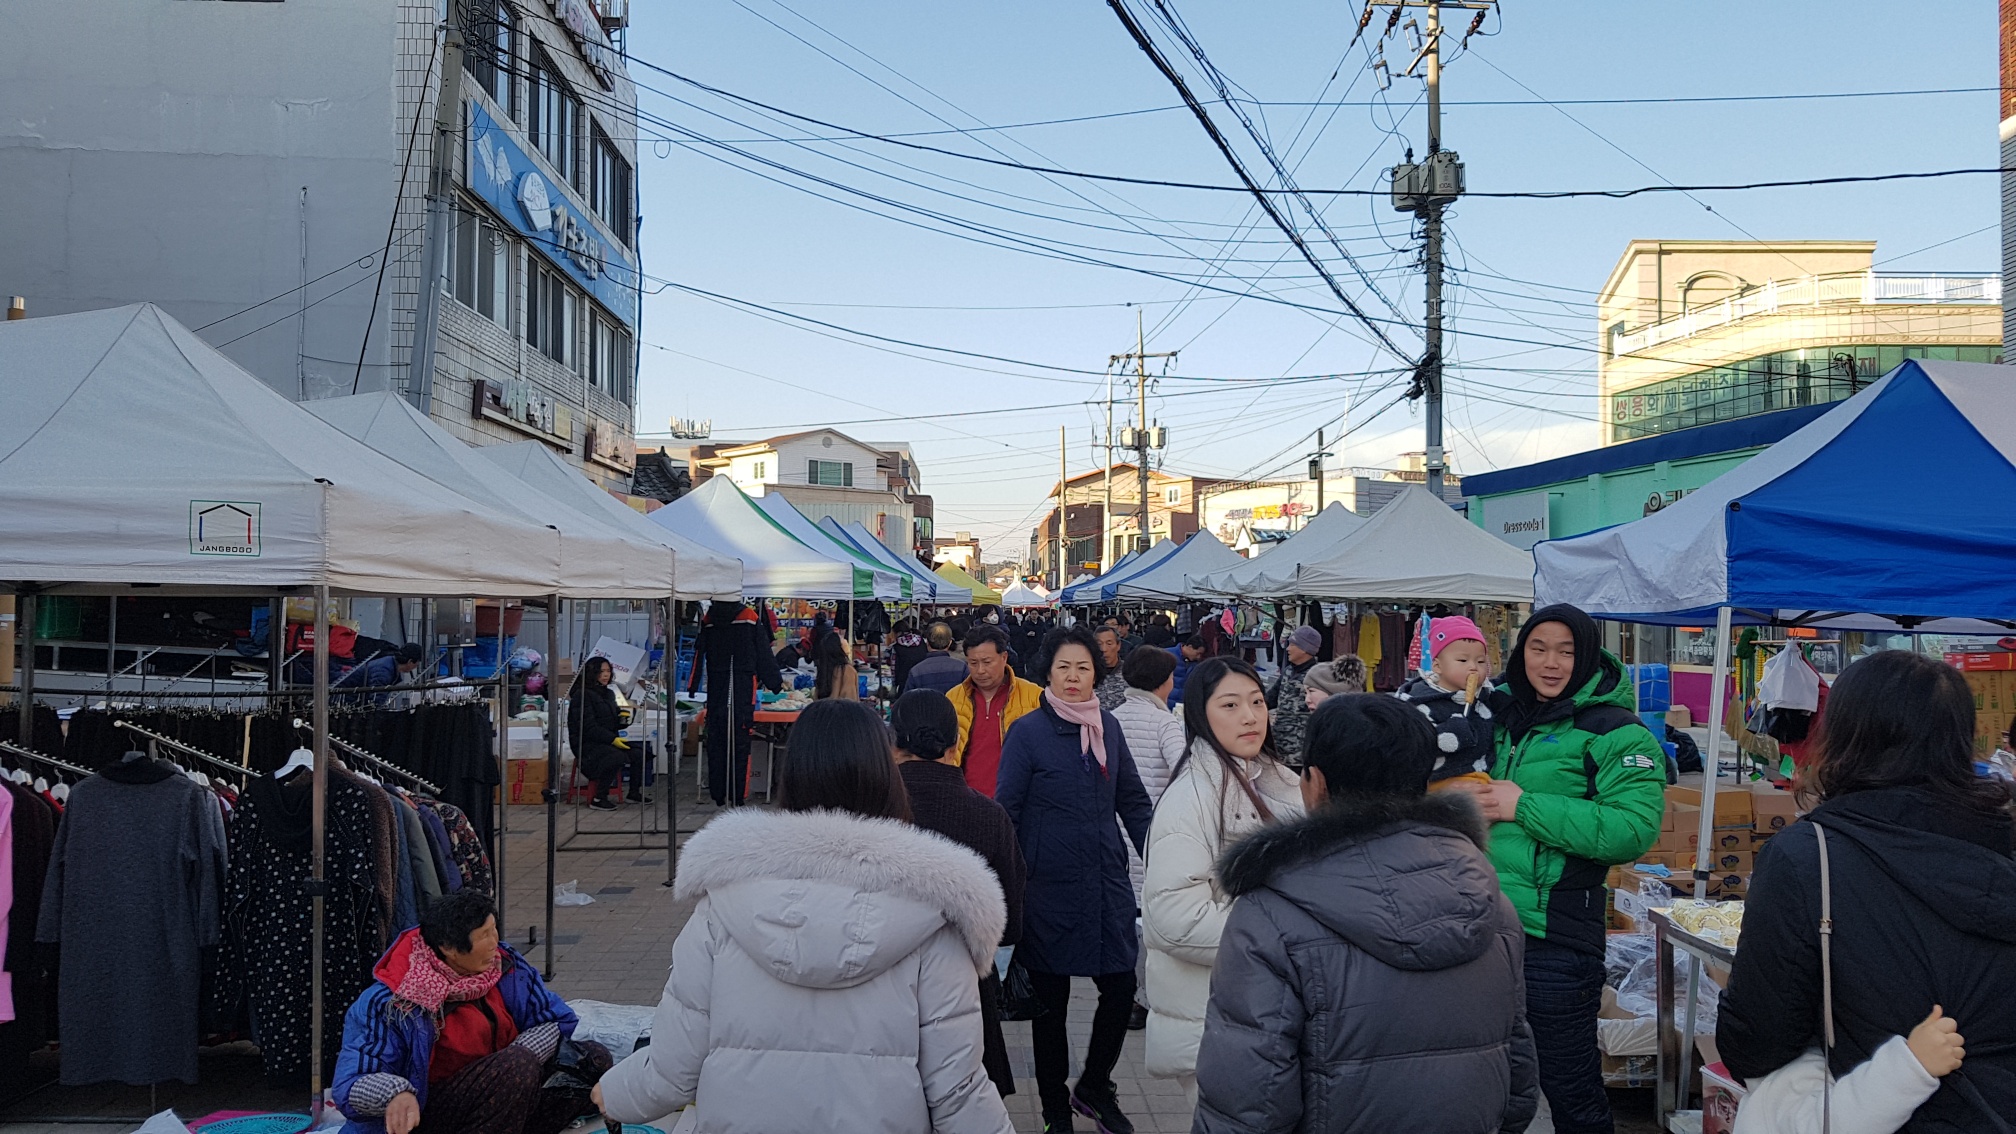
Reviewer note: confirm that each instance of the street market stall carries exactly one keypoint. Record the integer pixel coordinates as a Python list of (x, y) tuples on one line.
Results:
[(886, 583), (924, 586), (1101, 588), (1271, 574), (982, 594), (1174, 575), (1419, 549), (1021, 597), (1813, 533), (137, 459), (775, 564)]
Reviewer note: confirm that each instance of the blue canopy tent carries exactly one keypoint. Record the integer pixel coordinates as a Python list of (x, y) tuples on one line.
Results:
[(1814, 532), (924, 586), (1105, 588)]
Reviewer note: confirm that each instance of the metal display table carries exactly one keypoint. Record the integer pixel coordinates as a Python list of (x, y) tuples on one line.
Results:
[(1676, 1046)]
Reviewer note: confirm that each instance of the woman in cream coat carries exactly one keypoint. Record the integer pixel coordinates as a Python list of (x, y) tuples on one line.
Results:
[(1228, 784)]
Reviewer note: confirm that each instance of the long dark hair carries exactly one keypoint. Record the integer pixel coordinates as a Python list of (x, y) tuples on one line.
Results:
[(587, 679), (831, 661), (1197, 691), (1896, 719), (840, 759)]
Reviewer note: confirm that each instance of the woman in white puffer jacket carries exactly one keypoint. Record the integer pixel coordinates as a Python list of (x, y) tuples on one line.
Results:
[(828, 976), (1154, 735), (1228, 785)]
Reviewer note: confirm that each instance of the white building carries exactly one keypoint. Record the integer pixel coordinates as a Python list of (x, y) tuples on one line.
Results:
[(242, 164), (824, 472)]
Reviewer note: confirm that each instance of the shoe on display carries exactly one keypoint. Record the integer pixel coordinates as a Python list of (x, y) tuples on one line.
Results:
[(1137, 1020), (1102, 1106), (604, 804)]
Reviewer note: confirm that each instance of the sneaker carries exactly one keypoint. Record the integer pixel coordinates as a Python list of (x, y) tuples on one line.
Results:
[(1102, 1106), (637, 797), (1137, 1020), (1059, 1123), (603, 804)]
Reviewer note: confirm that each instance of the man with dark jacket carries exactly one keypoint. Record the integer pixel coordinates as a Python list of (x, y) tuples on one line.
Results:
[(906, 649), (733, 654), (939, 671), (1369, 977)]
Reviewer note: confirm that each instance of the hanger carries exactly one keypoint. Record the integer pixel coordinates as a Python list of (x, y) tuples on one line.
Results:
[(301, 759)]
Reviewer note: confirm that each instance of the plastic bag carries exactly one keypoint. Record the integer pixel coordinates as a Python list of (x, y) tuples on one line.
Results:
[(164, 1123), (615, 1026), (1018, 993), (569, 894)]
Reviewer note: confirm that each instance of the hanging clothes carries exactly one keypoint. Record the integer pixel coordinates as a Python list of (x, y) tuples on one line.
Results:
[(268, 914), (131, 897), (1370, 649), (1391, 672), (33, 837), (465, 848)]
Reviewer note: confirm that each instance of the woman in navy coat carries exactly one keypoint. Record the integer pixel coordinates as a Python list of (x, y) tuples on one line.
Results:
[(1065, 775)]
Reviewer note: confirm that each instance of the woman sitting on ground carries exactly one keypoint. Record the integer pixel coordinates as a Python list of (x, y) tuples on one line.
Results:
[(456, 1033)]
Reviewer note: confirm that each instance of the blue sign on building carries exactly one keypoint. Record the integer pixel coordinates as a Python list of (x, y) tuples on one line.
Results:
[(505, 176)]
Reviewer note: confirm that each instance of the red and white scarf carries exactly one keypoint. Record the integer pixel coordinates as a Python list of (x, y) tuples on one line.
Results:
[(431, 982)]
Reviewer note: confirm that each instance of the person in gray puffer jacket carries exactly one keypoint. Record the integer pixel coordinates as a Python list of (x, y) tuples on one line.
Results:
[(1370, 977)]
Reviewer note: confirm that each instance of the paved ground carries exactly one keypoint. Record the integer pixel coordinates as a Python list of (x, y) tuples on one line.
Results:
[(616, 950)]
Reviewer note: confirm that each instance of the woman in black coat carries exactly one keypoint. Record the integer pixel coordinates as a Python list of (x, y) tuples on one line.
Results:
[(1924, 897), (595, 730), (940, 800), (1065, 775)]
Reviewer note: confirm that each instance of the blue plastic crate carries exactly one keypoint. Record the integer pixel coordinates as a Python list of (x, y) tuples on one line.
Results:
[(1655, 687)]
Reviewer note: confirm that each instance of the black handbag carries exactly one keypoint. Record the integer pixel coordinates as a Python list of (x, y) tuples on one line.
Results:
[(1018, 992), (572, 1078)]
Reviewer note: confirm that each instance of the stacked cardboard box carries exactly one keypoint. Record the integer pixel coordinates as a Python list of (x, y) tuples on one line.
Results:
[(1744, 819), (1994, 699), (524, 781)]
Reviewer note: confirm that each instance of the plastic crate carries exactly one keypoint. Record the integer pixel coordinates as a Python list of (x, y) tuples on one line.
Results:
[(1655, 687)]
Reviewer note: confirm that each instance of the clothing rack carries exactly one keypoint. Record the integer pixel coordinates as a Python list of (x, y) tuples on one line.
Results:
[(155, 738), (30, 754), (377, 762)]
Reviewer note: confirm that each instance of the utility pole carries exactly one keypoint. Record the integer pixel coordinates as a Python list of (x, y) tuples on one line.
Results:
[(1316, 470), (1141, 438), (1063, 494), (1106, 510), (1425, 190)]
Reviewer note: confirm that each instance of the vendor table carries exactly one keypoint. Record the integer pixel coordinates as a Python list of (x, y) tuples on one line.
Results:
[(770, 732), (1676, 1047)]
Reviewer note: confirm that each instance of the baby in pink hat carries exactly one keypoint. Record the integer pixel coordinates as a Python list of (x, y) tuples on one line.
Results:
[(1456, 695)]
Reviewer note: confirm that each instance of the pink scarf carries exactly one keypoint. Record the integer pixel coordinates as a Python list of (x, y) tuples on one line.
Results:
[(431, 982), (1089, 718)]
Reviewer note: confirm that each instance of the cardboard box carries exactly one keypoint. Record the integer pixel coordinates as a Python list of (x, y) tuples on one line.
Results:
[(1729, 885), (1728, 839), (1732, 804), (1732, 861), (1994, 705), (1773, 808), (1680, 829), (1630, 1070), (524, 783), (1679, 716), (1983, 661)]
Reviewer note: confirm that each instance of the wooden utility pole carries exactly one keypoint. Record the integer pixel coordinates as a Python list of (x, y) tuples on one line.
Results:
[(1063, 494)]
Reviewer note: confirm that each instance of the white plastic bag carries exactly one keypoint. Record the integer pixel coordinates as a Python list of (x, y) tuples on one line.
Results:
[(614, 1026), (164, 1123), (569, 894)]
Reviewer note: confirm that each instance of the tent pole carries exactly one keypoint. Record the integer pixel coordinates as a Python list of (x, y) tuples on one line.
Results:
[(556, 720), (26, 604), (1718, 704), (317, 847), (675, 733), (500, 715)]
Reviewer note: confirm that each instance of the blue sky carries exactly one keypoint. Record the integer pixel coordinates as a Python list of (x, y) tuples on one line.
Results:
[(1525, 267)]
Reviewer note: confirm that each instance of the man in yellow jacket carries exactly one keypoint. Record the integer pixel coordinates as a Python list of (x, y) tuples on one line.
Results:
[(987, 702)]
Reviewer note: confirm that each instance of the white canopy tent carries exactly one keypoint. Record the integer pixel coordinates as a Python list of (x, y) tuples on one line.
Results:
[(1020, 596), (887, 584), (1175, 574), (924, 586), (1271, 574), (699, 572), (1104, 588), (1418, 549), (135, 452), (598, 559), (718, 516)]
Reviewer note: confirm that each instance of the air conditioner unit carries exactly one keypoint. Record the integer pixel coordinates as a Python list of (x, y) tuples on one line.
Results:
[(615, 14)]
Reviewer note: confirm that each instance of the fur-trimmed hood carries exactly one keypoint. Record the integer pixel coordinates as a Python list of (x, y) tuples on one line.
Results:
[(1406, 880), (829, 899)]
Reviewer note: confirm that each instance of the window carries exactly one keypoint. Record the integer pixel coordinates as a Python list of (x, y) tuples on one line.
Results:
[(1173, 496), (609, 359), (762, 469), (551, 311), (553, 117), (479, 267), (490, 54), (609, 185), (839, 474)]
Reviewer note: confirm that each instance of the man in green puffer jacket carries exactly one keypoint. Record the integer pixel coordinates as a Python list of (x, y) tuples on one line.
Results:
[(1578, 785)]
